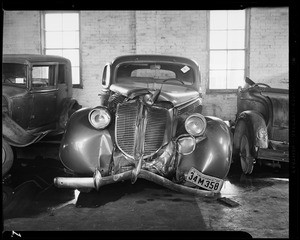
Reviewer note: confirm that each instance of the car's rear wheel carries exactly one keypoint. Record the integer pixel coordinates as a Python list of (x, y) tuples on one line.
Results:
[(7, 157)]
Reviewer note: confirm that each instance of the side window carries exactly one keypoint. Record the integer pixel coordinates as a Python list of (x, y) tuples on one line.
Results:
[(42, 76)]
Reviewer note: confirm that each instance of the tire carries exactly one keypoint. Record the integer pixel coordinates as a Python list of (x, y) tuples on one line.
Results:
[(7, 195), (244, 149), (7, 157)]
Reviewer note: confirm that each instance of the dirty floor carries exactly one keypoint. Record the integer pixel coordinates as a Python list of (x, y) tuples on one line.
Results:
[(260, 204)]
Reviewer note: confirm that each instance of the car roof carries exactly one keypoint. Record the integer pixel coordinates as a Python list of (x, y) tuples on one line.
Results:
[(28, 58), (155, 57)]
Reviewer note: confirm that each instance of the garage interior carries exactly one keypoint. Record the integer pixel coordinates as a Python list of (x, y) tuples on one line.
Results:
[(260, 203)]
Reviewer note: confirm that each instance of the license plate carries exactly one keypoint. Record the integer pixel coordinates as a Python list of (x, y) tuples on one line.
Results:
[(204, 181)]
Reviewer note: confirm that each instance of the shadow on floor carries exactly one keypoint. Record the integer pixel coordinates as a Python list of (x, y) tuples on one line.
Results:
[(30, 190)]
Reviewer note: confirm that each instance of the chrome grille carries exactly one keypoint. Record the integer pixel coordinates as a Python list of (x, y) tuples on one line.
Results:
[(125, 128), (155, 130)]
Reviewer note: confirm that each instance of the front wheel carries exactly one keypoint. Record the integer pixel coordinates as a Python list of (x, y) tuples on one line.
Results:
[(246, 159), (7, 157), (243, 148)]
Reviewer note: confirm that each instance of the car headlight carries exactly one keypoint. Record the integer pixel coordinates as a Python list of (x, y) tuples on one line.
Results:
[(195, 124), (99, 118)]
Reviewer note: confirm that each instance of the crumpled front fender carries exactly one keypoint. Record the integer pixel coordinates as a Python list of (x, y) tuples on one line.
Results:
[(88, 152), (16, 136), (83, 148), (212, 156)]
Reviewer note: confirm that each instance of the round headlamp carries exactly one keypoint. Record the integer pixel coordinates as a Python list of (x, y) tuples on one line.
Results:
[(195, 124), (99, 118)]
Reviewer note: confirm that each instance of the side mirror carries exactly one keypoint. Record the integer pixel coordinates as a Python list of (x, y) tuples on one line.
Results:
[(106, 76)]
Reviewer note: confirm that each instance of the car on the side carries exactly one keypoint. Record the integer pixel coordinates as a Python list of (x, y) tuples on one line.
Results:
[(261, 128), (148, 125), (36, 100)]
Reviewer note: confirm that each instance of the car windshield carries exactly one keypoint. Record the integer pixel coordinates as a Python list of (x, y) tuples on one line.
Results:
[(155, 72), (14, 73)]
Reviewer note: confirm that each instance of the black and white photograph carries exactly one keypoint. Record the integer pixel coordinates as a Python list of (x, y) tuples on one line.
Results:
[(147, 123)]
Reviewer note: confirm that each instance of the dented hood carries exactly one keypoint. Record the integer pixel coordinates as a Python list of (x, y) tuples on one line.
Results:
[(176, 94)]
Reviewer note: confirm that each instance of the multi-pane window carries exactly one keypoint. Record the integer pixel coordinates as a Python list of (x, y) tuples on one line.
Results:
[(227, 49), (61, 35)]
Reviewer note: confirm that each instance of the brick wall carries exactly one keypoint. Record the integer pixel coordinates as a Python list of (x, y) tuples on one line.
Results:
[(108, 34), (21, 32), (181, 33), (269, 46), (104, 36)]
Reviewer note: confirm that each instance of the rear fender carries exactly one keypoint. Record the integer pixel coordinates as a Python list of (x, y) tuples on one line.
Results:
[(66, 111), (83, 148), (256, 126), (212, 155), (17, 136)]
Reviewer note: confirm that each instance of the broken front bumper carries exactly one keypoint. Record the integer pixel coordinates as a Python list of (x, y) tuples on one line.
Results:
[(97, 181)]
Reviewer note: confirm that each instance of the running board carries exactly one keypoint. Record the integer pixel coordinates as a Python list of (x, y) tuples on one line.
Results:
[(275, 155)]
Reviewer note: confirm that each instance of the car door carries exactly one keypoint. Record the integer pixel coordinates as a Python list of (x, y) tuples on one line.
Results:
[(44, 94)]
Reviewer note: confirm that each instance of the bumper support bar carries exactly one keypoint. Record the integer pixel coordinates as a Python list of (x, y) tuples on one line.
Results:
[(97, 181)]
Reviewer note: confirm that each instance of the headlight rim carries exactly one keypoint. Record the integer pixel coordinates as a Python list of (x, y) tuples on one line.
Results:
[(203, 120), (99, 109), (182, 138)]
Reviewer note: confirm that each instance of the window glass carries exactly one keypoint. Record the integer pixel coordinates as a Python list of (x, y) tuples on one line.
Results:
[(54, 40), (70, 40), (236, 78), (236, 39), (70, 22), (57, 52), (75, 75), (14, 73), (42, 76), (235, 60), (218, 79), (170, 73), (72, 55), (218, 40), (236, 19), (227, 49), (218, 60), (156, 74), (62, 39), (53, 22), (218, 20)]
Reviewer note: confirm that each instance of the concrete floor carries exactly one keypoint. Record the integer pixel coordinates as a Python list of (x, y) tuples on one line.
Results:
[(36, 205)]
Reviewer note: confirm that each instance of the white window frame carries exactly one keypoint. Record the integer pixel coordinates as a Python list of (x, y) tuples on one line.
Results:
[(43, 33), (246, 51)]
